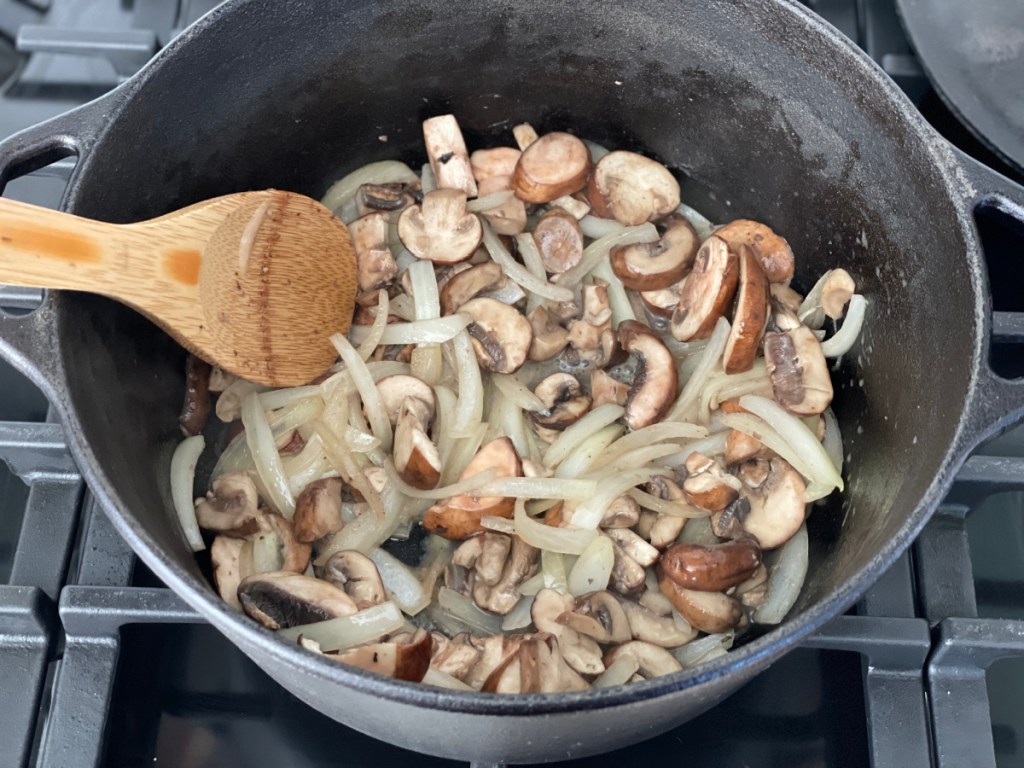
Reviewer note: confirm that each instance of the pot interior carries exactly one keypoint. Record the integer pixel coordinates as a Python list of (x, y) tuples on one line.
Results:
[(757, 110)]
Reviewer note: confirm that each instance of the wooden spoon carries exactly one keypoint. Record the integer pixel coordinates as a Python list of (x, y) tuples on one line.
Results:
[(255, 282)]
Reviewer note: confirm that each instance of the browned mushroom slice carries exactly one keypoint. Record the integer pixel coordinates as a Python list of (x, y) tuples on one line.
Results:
[(605, 389), (400, 660), (469, 283), (740, 447), (395, 390), (749, 316), (777, 506), (417, 459), (628, 575), (786, 296), (494, 651), (634, 545), (623, 512), (375, 266), (495, 162), (440, 230), (707, 485), (648, 627), (231, 560), (318, 510), (355, 573), (501, 336), (599, 616), (666, 530), (772, 250), (520, 563), (658, 265), (632, 188), (281, 599), (556, 164), (564, 402), (456, 656), (653, 660), (656, 382), (714, 568), (663, 303), (195, 409), (277, 536), (390, 199), (559, 240), (796, 366), (230, 506), (709, 612), (458, 518), (538, 666), (549, 338), (446, 151), (707, 291), (581, 652)]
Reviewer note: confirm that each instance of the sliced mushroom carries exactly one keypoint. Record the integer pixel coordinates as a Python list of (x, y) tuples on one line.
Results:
[(590, 345), (495, 162), (623, 512), (501, 336), (666, 530), (663, 303), (440, 230), (469, 284), (572, 205), (390, 199), (395, 390), (656, 382), (750, 314), (605, 389), (278, 535), (554, 165), (632, 188), (634, 545), (709, 612), (564, 402), (708, 486), (230, 506), (777, 506), (195, 409), (740, 447), (658, 265), (714, 568), (231, 559), (754, 591), (518, 566), (509, 218), (599, 616), (581, 652), (458, 517), (628, 575), (707, 292), (446, 151), (786, 296), (837, 290), (799, 374), (648, 627), (357, 574), (524, 135), (653, 661), (456, 656), (375, 266), (494, 651), (289, 443), (559, 240), (318, 510), (282, 599), (549, 338), (401, 660), (772, 250), (417, 459), (538, 666)]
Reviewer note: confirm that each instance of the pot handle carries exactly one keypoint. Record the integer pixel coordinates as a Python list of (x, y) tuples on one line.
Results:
[(995, 403), (27, 340)]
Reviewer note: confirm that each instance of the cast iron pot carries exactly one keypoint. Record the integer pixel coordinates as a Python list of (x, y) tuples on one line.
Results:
[(756, 100)]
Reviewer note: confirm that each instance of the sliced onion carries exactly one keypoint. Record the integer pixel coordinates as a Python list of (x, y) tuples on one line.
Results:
[(266, 553), (260, 439), (785, 579), (832, 442), (588, 515), (574, 436), (528, 252), (567, 540), (434, 331), (520, 274), (533, 585), (462, 452), (697, 219), (229, 402), (554, 570), (589, 452), (640, 457), (427, 363), (595, 227), (470, 409), (384, 172), (710, 357), (622, 308), (846, 336), (519, 617), (402, 305), (703, 650), (359, 441), (709, 446), (593, 568), (796, 433), (423, 282), (402, 584), (350, 467), (366, 532), (345, 632), (655, 433), (487, 202), (517, 392), (465, 610), (759, 430), (376, 331), (619, 672), (499, 524), (598, 250), (367, 389), (439, 679), (273, 399), (428, 182), (664, 506), (183, 478), (539, 488)]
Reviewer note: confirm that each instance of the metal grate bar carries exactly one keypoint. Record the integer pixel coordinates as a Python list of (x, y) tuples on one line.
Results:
[(127, 50), (943, 558), (1008, 327), (893, 594), (106, 561)]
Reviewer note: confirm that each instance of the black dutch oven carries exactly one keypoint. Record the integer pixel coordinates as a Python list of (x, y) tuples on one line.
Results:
[(757, 101)]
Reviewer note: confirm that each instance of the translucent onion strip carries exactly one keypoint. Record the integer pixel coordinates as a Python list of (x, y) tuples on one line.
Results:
[(709, 446), (847, 335), (758, 429), (596, 228), (260, 439), (279, 398), (697, 219), (462, 487), (655, 433), (598, 250), (539, 488), (710, 357), (384, 172), (435, 331), (785, 579), (553, 569), (573, 436), (705, 649), (487, 202), (520, 274), (183, 478), (376, 332), (424, 290), (587, 454), (832, 442), (571, 541), (517, 392), (470, 408), (593, 569), (622, 308), (349, 631), (465, 610), (520, 616), (401, 583), (664, 506), (528, 252), (639, 457), (367, 389), (588, 515)]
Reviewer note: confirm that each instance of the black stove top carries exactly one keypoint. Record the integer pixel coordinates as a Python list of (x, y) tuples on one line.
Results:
[(100, 665)]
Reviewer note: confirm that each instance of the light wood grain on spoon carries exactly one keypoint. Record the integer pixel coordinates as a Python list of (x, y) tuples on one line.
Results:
[(256, 281)]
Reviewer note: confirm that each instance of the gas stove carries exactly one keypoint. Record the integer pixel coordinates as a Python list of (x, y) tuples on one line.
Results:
[(101, 665)]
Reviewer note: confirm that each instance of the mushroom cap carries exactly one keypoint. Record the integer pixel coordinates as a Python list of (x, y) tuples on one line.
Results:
[(230, 507), (657, 266), (632, 189), (318, 510), (294, 554), (468, 284), (598, 615), (400, 660), (357, 575), (375, 265), (537, 666), (501, 336), (554, 165), (707, 291), (494, 162), (395, 390), (564, 400), (656, 382), (663, 303), (714, 568), (446, 151), (549, 338), (580, 651), (623, 512), (628, 576), (777, 506), (440, 230), (799, 374), (648, 627), (653, 661), (750, 314), (709, 612), (230, 566), (390, 198), (772, 250), (417, 459), (559, 240), (282, 599)]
